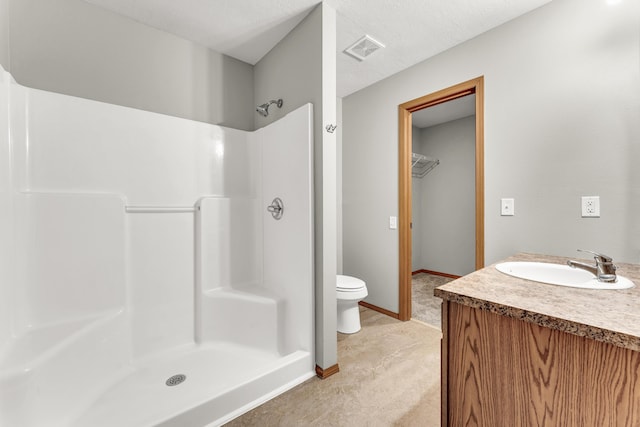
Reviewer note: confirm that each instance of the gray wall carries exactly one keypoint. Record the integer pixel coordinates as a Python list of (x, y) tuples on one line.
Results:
[(416, 207), (76, 48), (339, 267), (562, 101), (4, 34), (301, 69), (446, 199)]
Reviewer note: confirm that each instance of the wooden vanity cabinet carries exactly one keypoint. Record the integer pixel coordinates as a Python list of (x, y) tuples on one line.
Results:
[(501, 371)]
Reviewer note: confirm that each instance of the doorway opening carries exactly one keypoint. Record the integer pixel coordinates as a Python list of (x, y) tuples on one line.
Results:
[(474, 86)]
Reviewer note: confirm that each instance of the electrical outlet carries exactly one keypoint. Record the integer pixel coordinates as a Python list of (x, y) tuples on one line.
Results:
[(590, 206)]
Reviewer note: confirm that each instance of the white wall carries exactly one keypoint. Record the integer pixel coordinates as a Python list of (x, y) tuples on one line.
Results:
[(135, 153), (242, 245), (7, 249), (446, 216), (110, 156), (562, 101), (288, 271), (76, 48), (301, 69)]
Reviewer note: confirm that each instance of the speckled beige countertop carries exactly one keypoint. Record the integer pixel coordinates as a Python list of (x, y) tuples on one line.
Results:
[(611, 316)]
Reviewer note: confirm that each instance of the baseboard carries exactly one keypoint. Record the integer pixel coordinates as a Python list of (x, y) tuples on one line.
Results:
[(326, 373), (379, 309), (436, 273)]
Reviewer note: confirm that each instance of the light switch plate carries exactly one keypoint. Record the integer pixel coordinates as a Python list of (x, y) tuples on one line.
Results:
[(507, 207), (393, 222)]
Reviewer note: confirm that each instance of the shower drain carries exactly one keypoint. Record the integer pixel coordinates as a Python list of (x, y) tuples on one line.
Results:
[(175, 380)]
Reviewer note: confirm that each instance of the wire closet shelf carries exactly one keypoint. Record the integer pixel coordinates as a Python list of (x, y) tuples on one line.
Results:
[(422, 165)]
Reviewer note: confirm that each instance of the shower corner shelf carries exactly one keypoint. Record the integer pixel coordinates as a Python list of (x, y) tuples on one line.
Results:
[(422, 165)]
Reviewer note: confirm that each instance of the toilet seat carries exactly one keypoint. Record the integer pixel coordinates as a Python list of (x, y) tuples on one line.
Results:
[(349, 284)]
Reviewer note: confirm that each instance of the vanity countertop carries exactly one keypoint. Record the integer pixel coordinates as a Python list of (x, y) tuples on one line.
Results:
[(611, 316)]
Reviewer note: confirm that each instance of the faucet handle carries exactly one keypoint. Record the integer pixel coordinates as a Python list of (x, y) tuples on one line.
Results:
[(598, 257)]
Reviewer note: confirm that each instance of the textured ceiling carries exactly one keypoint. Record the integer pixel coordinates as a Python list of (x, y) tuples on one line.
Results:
[(412, 30)]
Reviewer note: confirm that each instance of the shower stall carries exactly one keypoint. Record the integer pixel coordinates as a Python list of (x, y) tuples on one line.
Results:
[(143, 280)]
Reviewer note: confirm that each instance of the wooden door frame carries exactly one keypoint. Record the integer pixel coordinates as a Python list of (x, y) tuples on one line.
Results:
[(473, 86)]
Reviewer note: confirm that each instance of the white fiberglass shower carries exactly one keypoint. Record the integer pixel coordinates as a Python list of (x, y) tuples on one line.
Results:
[(143, 281)]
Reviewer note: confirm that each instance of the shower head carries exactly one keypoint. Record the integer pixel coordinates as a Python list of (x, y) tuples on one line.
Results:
[(263, 109)]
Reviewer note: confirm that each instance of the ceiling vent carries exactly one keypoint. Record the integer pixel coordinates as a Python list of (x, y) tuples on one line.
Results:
[(363, 48)]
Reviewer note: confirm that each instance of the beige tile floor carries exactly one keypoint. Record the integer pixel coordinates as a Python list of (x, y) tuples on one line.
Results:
[(424, 305), (389, 376)]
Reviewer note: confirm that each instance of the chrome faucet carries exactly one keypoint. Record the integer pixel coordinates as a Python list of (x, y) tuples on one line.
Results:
[(604, 270)]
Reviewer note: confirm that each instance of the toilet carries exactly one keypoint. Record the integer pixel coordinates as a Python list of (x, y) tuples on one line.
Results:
[(350, 290)]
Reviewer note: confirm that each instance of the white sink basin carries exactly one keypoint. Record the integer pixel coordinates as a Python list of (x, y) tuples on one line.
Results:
[(557, 274)]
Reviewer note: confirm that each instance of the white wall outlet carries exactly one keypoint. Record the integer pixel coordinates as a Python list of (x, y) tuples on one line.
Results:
[(393, 222), (507, 207), (590, 206)]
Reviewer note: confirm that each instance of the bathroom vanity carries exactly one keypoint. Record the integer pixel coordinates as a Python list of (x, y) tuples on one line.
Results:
[(521, 353)]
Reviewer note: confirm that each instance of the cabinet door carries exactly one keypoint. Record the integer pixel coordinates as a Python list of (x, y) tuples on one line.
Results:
[(501, 371)]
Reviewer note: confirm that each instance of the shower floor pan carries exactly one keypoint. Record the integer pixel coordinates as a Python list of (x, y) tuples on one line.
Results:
[(80, 373), (221, 381)]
